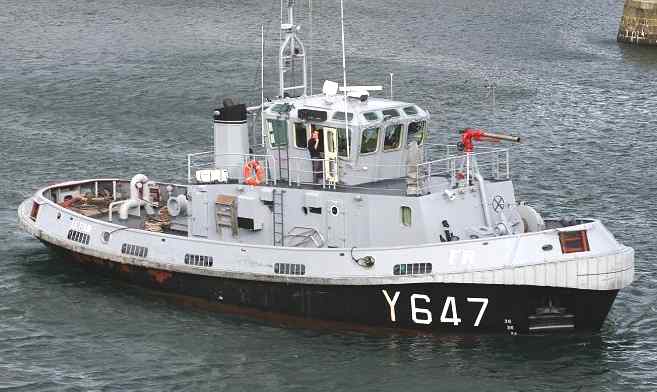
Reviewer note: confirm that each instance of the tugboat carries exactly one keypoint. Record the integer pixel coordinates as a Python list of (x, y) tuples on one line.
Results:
[(334, 207)]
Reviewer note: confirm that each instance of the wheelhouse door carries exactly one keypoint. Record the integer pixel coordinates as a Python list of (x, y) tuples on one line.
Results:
[(331, 155), (336, 224)]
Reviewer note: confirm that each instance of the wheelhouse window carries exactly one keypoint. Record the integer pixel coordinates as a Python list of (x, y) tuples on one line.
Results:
[(411, 110), (391, 113), (340, 116), (344, 141), (277, 132), (406, 216), (392, 137), (369, 140), (281, 108), (330, 142), (300, 135), (371, 116), (417, 131)]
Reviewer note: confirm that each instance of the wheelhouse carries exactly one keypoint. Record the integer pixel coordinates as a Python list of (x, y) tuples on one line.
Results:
[(371, 144)]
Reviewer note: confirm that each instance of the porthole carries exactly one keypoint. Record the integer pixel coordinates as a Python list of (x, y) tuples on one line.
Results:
[(335, 210), (105, 236), (406, 216)]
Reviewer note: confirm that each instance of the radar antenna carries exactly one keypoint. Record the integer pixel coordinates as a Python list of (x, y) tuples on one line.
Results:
[(291, 52)]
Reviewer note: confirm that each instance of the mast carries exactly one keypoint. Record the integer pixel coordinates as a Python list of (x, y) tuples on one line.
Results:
[(290, 54)]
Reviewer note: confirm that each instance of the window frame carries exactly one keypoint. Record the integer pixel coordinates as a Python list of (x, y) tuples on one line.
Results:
[(270, 131), (414, 108), (350, 116), (401, 137), (295, 135), (350, 142), (401, 215), (379, 116), (378, 136), (396, 110), (424, 132)]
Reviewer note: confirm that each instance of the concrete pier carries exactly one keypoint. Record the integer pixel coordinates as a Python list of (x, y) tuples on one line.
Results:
[(638, 24)]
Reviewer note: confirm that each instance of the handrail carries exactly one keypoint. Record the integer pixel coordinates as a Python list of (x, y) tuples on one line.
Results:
[(491, 162), (294, 167), (469, 165), (206, 160), (308, 234)]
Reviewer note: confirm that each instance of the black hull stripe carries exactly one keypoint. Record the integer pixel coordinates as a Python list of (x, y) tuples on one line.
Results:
[(422, 307)]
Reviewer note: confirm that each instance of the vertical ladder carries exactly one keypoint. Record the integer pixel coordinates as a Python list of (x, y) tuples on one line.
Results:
[(283, 163), (277, 215)]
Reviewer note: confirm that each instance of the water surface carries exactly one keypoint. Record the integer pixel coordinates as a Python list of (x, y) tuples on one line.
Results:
[(111, 88)]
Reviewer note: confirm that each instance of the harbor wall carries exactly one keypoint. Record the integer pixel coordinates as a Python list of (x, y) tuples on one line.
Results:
[(638, 24)]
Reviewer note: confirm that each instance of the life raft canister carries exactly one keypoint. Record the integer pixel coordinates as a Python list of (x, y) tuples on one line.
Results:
[(254, 173)]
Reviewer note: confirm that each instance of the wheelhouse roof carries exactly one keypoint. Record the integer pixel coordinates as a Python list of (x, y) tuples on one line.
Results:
[(333, 104)]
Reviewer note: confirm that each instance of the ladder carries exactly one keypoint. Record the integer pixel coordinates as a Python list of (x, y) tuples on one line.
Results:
[(225, 208), (283, 163), (277, 215)]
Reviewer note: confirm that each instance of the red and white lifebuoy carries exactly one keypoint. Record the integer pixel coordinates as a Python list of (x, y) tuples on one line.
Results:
[(254, 173)]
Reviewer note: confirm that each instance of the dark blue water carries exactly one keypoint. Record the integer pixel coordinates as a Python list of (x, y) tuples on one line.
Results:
[(110, 88)]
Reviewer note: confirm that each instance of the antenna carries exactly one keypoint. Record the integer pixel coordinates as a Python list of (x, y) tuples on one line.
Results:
[(344, 77), (280, 32), (491, 85), (310, 59), (391, 75), (262, 84), (291, 51)]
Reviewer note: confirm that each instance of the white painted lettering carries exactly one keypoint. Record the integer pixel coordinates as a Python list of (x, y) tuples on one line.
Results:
[(461, 258), (391, 303), (468, 258), (450, 304), (454, 256), (484, 304), (81, 227), (415, 310)]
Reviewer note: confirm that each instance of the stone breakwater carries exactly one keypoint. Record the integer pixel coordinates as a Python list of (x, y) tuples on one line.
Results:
[(638, 24)]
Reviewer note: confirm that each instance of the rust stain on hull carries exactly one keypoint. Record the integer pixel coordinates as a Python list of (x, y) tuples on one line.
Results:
[(160, 277)]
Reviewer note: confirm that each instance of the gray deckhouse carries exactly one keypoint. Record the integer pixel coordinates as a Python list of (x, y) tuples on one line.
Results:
[(379, 183)]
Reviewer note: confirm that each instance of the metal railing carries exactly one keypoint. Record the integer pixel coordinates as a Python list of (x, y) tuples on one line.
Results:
[(301, 235), (206, 161), (447, 167), (305, 171), (459, 170)]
